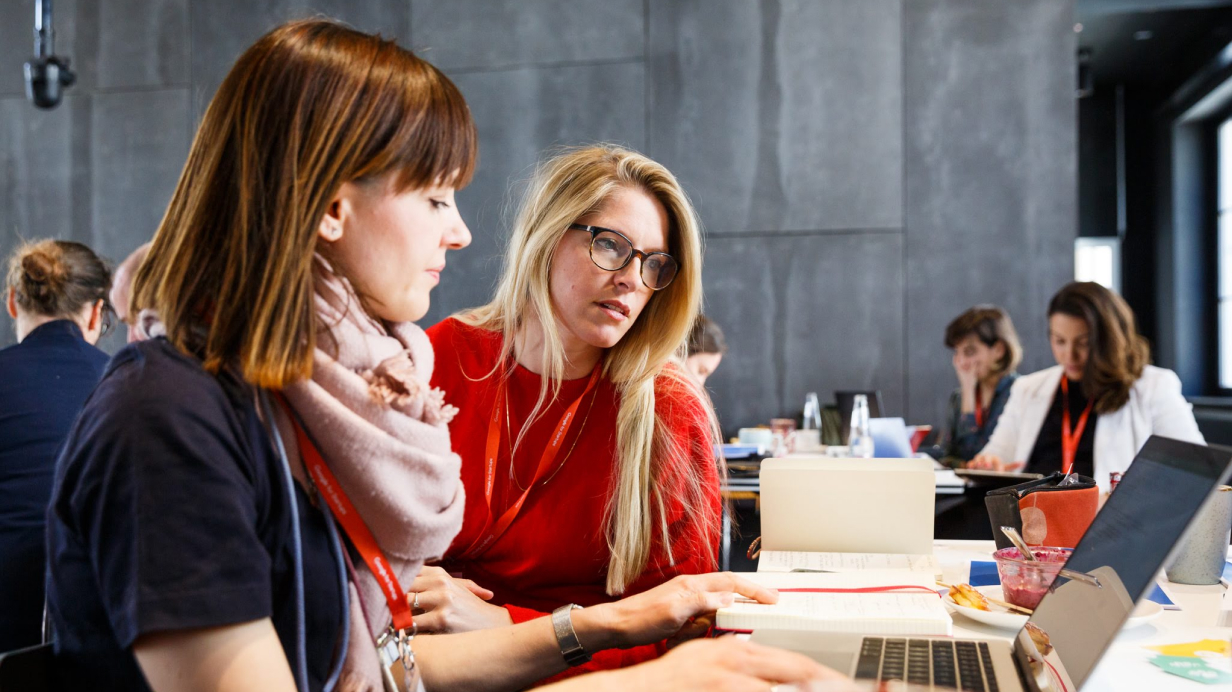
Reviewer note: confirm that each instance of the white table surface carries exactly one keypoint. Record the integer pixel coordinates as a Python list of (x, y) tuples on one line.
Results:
[(1126, 665)]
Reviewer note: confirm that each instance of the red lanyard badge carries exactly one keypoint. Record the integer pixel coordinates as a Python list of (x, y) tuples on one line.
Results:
[(1069, 442), (979, 406), (494, 530), (359, 533)]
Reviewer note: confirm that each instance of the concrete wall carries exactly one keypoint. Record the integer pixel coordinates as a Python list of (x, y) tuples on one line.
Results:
[(864, 170)]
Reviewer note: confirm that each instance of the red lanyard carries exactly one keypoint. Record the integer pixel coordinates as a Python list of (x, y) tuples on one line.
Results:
[(492, 450), (361, 537), (1069, 442), (979, 407), (867, 589)]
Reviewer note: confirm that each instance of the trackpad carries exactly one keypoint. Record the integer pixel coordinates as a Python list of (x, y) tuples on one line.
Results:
[(835, 651)]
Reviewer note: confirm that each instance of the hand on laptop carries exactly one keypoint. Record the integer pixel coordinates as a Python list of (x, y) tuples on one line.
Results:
[(726, 663), (992, 462)]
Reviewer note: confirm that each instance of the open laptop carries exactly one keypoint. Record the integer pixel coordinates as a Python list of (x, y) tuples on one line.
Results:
[(826, 505), (1132, 537), (890, 438)]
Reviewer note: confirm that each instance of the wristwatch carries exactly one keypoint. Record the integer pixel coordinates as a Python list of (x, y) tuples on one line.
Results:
[(566, 637)]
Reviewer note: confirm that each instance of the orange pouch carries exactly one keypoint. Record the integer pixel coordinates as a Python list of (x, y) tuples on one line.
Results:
[(1043, 512)]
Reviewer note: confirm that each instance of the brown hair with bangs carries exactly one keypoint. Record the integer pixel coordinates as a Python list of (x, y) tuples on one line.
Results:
[(311, 105), (989, 324), (1117, 353)]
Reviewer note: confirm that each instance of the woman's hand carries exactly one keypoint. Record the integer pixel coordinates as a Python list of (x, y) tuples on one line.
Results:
[(726, 663), (676, 610), (992, 462), (446, 604), (967, 382)]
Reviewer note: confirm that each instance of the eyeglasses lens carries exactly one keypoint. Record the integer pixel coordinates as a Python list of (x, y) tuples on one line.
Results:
[(612, 252)]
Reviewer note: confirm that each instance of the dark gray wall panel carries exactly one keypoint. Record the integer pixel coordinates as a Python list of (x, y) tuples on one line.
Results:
[(516, 126), (991, 211), (44, 177), (142, 43), (479, 34), (882, 164), (222, 29), (35, 170), (780, 115), (76, 37), (804, 314), (136, 166)]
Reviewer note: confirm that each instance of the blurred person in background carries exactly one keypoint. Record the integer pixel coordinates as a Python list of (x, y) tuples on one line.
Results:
[(1093, 410), (57, 294), (122, 291), (986, 358), (706, 348)]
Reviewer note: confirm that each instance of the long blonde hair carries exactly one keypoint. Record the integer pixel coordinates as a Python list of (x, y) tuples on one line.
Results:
[(565, 188)]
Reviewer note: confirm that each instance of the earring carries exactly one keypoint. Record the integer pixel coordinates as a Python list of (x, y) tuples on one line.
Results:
[(333, 233)]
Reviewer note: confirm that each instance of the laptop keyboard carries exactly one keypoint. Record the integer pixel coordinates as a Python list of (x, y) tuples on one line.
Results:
[(942, 663)]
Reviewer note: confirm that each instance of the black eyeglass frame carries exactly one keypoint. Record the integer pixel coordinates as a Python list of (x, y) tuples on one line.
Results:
[(594, 232)]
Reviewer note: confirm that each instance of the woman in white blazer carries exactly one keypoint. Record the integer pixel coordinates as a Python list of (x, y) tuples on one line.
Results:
[(1095, 409)]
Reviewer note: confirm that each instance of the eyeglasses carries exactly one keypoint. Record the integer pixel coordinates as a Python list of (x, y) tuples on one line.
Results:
[(611, 250)]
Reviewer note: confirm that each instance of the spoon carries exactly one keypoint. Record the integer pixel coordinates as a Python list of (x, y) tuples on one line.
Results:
[(1016, 538)]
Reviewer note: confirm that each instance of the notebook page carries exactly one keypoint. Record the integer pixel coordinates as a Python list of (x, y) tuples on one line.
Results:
[(840, 580), (792, 561), (864, 613)]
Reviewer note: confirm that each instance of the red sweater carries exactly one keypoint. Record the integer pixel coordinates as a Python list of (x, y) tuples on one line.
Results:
[(555, 551)]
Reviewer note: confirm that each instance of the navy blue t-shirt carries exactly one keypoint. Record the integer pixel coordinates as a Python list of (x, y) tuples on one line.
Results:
[(43, 382), (170, 512)]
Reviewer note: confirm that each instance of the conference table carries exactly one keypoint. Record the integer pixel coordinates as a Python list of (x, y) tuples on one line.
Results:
[(1126, 666)]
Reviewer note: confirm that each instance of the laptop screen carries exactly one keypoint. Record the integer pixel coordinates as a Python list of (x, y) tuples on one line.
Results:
[(1126, 545), (890, 439)]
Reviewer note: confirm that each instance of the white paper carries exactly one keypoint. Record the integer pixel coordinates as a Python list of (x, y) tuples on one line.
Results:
[(867, 613), (839, 580), (799, 561)]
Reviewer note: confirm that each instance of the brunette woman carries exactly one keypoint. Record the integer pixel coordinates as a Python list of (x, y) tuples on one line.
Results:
[(986, 357), (706, 348), (1093, 410)]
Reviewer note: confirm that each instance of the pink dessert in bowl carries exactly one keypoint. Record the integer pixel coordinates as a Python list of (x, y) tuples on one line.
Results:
[(1023, 582)]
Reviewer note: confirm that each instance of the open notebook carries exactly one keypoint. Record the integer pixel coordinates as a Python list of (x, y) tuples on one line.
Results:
[(830, 603), (801, 561)]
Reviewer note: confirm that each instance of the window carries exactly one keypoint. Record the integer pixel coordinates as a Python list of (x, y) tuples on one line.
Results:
[(1225, 254), (1098, 260)]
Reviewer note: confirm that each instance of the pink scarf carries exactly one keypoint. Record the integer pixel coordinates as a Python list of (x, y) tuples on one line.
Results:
[(383, 431)]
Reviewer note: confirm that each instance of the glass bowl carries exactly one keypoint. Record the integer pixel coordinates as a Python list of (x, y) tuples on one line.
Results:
[(1023, 582)]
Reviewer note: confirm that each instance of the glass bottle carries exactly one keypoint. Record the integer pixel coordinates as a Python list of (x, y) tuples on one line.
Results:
[(812, 413), (861, 439)]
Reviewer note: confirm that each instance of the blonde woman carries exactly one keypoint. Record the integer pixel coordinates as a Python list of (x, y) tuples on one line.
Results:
[(587, 452)]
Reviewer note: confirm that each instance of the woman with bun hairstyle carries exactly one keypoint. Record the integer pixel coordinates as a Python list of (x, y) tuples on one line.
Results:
[(57, 296), (1093, 410), (197, 539)]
